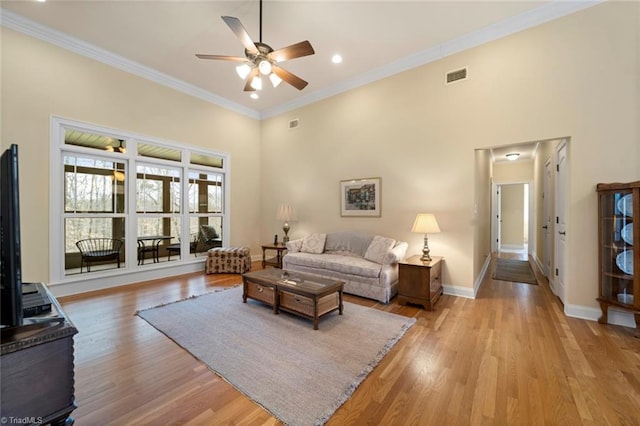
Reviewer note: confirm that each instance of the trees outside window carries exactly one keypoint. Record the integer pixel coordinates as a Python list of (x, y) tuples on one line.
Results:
[(133, 188)]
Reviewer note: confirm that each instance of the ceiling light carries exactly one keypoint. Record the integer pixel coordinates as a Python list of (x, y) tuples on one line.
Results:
[(254, 95), (513, 156), (275, 80), (336, 59), (243, 70), (256, 83), (265, 67)]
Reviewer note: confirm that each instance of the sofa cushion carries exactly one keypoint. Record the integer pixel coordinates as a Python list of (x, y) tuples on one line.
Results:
[(378, 248), (294, 246), (347, 241), (335, 262), (313, 243)]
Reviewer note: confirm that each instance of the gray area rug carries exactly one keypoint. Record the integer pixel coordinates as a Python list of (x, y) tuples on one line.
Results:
[(299, 375), (518, 271)]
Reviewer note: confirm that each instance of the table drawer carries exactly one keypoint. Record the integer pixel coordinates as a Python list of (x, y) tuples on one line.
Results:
[(304, 305), (261, 292)]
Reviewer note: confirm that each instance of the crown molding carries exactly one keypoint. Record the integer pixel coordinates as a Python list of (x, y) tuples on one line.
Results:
[(19, 23), (548, 12)]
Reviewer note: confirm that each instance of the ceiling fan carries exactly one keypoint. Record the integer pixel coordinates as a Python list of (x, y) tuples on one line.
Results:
[(261, 59)]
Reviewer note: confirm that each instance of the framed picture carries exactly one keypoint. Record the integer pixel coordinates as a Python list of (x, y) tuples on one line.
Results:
[(360, 197)]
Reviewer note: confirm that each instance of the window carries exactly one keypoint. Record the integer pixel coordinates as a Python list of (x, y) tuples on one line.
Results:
[(206, 196), (169, 198)]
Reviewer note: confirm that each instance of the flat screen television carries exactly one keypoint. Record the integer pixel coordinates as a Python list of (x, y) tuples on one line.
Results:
[(10, 260)]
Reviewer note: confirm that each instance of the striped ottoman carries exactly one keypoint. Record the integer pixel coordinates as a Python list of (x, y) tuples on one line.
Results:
[(228, 260)]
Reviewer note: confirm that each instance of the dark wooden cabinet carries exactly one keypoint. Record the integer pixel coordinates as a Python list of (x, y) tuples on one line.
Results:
[(619, 248), (37, 370), (419, 282)]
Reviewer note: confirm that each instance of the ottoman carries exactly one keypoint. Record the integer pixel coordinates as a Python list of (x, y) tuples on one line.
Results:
[(228, 260)]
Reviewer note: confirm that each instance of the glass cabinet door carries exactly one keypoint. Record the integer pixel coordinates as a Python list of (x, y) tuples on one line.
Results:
[(616, 245)]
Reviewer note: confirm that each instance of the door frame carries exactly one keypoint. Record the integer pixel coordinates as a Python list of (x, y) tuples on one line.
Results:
[(560, 280), (495, 214), (548, 213)]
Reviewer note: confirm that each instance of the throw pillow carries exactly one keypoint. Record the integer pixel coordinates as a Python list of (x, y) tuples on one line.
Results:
[(378, 248), (314, 243), (294, 246)]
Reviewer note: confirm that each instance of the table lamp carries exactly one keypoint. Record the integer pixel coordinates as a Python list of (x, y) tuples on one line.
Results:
[(286, 214), (425, 223)]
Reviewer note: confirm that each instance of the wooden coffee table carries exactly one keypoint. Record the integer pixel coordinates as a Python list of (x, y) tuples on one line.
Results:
[(303, 295)]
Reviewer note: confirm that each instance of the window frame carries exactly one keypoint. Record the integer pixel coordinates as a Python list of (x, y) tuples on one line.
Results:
[(57, 216)]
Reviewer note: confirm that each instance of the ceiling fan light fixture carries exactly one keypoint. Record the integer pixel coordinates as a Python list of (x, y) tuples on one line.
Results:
[(256, 83), (243, 70), (275, 80), (265, 67)]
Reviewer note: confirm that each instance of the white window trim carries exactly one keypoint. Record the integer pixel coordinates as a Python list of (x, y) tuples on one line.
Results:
[(130, 273)]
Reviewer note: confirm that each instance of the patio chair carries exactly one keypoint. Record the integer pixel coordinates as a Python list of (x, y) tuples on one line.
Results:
[(208, 238), (175, 248), (98, 250)]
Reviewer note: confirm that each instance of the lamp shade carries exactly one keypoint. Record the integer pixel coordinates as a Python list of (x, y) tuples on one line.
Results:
[(286, 213), (425, 223)]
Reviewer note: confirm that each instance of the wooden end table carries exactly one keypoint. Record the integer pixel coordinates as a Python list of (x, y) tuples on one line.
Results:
[(419, 282), (280, 248)]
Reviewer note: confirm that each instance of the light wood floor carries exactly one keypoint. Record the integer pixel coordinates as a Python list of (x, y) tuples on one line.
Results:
[(509, 357)]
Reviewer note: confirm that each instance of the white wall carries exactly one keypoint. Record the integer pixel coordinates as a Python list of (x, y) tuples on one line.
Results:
[(576, 76), (40, 80)]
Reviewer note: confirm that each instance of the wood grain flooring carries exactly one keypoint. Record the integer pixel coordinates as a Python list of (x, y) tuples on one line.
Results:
[(509, 357)]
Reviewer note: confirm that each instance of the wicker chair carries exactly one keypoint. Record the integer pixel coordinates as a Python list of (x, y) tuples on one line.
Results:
[(96, 250)]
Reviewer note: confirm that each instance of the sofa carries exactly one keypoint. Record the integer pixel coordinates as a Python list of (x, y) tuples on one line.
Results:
[(368, 264)]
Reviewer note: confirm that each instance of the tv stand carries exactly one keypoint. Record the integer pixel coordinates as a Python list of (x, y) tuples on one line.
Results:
[(36, 364)]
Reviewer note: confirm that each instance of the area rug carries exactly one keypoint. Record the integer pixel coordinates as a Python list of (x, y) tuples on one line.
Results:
[(299, 375), (518, 271)]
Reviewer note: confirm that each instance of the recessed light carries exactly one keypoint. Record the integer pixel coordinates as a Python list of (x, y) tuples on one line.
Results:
[(254, 96), (336, 59), (513, 156)]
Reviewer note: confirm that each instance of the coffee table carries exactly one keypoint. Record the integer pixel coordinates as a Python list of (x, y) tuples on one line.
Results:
[(300, 294)]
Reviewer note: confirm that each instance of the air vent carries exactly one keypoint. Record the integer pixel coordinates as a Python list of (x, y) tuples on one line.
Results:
[(457, 75), (294, 123)]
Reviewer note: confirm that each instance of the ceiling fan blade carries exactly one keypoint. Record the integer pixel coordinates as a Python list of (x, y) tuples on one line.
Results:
[(243, 35), (222, 57), (290, 78), (297, 50), (247, 86)]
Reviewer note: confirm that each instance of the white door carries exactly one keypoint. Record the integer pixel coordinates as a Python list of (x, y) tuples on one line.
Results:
[(560, 236), (547, 226), (497, 219)]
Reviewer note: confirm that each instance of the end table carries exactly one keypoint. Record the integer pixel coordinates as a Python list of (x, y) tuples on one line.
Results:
[(419, 282), (280, 248)]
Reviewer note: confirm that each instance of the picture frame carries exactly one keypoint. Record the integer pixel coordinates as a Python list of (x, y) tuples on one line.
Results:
[(360, 197)]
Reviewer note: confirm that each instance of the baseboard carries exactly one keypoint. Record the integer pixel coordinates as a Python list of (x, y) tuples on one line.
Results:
[(512, 247), (616, 316), (458, 291), (535, 259), (117, 278)]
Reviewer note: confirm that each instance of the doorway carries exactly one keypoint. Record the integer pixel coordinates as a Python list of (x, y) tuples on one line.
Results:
[(511, 218)]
